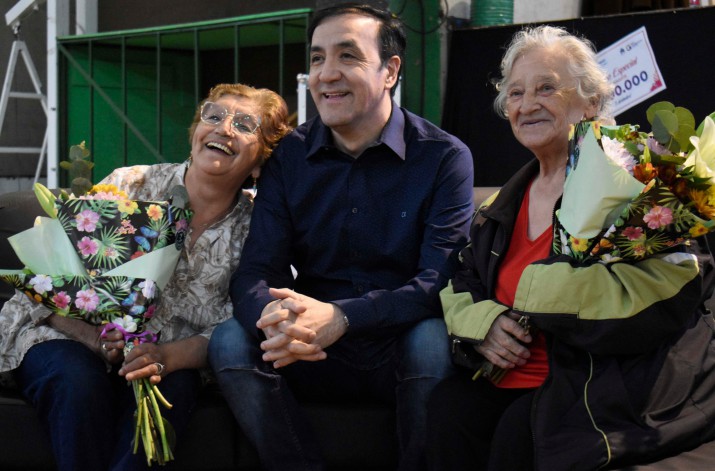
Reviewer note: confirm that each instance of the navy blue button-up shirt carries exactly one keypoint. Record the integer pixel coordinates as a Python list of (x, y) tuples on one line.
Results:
[(377, 235)]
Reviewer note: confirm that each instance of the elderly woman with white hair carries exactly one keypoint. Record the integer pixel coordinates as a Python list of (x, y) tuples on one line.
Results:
[(578, 365)]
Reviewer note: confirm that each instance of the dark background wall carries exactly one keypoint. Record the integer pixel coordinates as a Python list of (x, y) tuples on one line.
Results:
[(682, 43)]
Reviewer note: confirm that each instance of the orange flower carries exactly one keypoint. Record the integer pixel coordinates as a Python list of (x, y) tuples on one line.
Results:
[(644, 172), (701, 200), (155, 212)]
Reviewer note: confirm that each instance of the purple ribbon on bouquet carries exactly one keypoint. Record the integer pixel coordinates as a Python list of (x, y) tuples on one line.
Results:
[(144, 337)]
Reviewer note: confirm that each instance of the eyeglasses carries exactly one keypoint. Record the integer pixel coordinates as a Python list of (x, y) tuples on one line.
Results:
[(213, 115)]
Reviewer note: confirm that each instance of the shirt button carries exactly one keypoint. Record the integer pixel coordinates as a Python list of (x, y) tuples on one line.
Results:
[(355, 210), (359, 289)]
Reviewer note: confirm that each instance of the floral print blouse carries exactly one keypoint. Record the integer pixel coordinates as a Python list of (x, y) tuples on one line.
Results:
[(196, 298)]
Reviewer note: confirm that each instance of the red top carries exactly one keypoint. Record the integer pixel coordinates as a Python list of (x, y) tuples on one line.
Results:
[(522, 252)]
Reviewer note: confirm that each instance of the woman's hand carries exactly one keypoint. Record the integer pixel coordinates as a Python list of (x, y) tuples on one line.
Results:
[(111, 344), (108, 347), (156, 360), (146, 360), (503, 344)]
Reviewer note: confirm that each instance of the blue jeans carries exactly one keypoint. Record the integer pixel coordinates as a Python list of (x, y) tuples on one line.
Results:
[(399, 371), (88, 412)]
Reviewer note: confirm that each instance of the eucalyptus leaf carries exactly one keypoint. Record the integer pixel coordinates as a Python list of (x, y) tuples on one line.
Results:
[(79, 152), (179, 197), (661, 105), (685, 130), (665, 126), (80, 186), (685, 117)]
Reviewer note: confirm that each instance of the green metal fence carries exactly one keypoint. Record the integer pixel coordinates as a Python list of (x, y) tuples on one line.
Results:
[(131, 95)]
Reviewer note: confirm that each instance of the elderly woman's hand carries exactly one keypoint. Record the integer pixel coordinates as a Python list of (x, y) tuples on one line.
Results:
[(503, 344), (145, 360), (111, 344)]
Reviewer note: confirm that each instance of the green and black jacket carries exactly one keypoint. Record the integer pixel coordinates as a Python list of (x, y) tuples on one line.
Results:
[(631, 350)]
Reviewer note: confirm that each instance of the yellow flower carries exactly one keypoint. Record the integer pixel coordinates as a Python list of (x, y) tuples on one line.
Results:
[(155, 212), (107, 189), (639, 250), (127, 206), (698, 230), (703, 203), (579, 245)]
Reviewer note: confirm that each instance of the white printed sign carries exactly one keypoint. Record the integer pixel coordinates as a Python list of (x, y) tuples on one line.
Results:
[(632, 69)]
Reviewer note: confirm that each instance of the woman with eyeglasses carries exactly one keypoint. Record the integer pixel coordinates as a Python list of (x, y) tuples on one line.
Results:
[(76, 378)]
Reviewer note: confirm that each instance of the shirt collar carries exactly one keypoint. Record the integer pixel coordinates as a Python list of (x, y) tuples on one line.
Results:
[(392, 135)]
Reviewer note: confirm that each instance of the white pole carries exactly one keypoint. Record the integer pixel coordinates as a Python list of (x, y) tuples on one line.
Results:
[(86, 17), (302, 97), (58, 20)]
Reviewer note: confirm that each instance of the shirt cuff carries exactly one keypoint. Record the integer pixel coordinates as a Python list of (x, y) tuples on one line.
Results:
[(40, 314)]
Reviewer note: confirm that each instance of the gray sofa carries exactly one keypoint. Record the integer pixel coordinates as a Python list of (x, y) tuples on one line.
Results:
[(353, 436)]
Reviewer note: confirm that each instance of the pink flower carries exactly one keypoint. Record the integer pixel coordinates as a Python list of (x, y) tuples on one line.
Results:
[(61, 300), (87, 300), (87, 220), (633, 233), (126, 228), (658, 217), (87, 246)]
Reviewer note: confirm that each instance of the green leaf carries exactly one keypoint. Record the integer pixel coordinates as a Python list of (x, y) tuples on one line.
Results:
[(661, 105), (179, 197), (665, 126), (80, 186), (46, 199), (685, 130), (684, 116), (79, 152)]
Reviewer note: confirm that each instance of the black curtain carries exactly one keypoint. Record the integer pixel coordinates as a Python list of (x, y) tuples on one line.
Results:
[(682, 43)]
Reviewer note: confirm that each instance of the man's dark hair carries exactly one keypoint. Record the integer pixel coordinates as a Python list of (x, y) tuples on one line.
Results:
[(391, 37)]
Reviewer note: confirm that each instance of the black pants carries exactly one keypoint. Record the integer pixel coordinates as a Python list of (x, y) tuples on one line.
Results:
[(473, 425)]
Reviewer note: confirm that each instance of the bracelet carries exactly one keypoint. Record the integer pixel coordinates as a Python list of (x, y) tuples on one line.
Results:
[(347, 322)]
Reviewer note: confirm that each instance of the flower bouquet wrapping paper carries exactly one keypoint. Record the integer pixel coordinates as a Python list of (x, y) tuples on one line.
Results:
[(629, 195), (104, 258)]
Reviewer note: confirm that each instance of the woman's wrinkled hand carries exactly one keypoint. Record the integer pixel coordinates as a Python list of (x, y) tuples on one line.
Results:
[(110, 345), (145, 360), (503, 345)]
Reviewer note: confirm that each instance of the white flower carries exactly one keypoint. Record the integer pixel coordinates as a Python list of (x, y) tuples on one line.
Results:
[(617, 152), (127, 323), (148, 288), (703, 156), (41, 283)]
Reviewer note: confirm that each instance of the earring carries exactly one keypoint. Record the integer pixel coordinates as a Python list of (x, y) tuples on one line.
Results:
[(190, 159)]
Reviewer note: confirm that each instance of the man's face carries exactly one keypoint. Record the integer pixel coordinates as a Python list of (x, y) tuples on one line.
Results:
[(349, 84)]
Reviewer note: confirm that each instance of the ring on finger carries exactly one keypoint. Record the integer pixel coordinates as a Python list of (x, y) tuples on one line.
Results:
[(104, 346), (159, 368)]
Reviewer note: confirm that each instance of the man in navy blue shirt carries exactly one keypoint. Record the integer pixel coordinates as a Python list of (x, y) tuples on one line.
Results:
[(370, 204)]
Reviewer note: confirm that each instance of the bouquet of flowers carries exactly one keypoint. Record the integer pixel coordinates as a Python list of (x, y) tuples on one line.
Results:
[(630, 194), (103, 258)]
